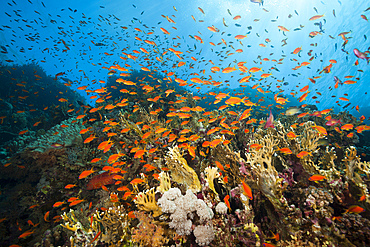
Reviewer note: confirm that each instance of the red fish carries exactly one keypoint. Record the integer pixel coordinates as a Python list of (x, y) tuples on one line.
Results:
[(101, 180)]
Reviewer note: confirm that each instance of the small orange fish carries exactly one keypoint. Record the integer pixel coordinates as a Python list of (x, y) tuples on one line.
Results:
[(84, 174), (136, 181), (27, 233), (226, 200), (46, 216), (268, 245), (58, 204), (23, 132), (247, 190), (75, 202), (303, 154), (275, 236), (313, 18), (285, 150), (354, 209), (316, 177), (70, 186)]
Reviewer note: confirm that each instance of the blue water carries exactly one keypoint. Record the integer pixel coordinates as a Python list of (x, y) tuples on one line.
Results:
[(104, 22)]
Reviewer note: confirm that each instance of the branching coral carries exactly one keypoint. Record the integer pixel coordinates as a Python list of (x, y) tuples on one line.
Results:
[(146, 201), (261, 162), (115, 222), (211, 173), (351, 160), (328, 167), (165, 182), (128, 124), (147, 233), (83, 236), (180, 171)]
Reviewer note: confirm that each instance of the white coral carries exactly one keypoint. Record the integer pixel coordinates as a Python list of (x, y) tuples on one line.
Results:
[(204, 234), (221, 208), (167, 201), (203, 211), (181, 209)]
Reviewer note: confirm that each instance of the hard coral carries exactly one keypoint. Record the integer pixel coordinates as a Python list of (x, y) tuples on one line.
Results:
[(148, 233), (146, 201), (261, 163), (180, 171)]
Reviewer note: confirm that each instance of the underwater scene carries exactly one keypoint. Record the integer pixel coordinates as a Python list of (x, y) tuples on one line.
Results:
[(185, 123)]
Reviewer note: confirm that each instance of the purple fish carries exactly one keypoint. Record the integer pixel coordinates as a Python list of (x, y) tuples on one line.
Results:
[(336, 80), (257, 1), (333, 122), (270, 121), (361, 55)]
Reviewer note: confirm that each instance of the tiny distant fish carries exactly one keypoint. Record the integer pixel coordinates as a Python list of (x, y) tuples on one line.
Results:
[(295, 11), (336, 46), (266, 31), (314, 8), (340, 2), (238, 25), (134, 6), (43, 4), (228, 11), (142, 13), (322, 2), (297, 29), (334, 12), (365, 37), (257, 1), (102, 7)]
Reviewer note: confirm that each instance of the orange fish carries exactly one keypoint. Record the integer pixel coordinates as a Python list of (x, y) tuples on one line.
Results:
[(75, 202), (84, 174), (320, 129), (275, 236), (136, 181), (23, 132), (316, 177), (27, 233), (268, 245), (226, 200), (58, 204), (247, 190), (315, 17), (69, 186), (285, 150), (46, 216), (303, 154), (354, 209)]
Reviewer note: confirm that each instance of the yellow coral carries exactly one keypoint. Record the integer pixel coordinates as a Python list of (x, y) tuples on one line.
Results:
[(211, 173), (148, 233), (165, 182), (180, 171), (261, 162), (146, 201)]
